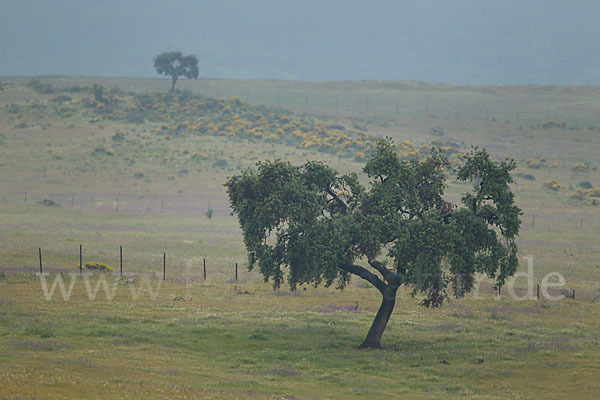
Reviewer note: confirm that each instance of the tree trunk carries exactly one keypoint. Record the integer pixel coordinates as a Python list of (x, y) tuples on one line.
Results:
[(173, 82), (373, 339)]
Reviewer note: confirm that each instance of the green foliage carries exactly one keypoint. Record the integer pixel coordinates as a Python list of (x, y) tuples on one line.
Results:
[(175, 64), (311, 224), (209, 213)]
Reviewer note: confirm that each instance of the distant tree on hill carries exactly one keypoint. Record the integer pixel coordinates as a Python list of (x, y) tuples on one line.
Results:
[(175, 64), (310, 225)]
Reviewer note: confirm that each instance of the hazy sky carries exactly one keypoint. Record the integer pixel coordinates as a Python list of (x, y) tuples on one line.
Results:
[(453, 41)]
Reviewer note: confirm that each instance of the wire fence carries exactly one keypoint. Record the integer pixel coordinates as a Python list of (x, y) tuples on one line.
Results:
[(122, 202), (580, 249), (237, 273), (196, 269), (517, 105)]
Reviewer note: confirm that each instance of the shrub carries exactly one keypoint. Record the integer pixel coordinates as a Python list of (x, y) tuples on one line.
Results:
[(579, 195), (105, 151), (118, 137), (536, 164), (585, 185), (552, 185), (209, 213), (40, 87), (13, 108), (437, 131), (220, 163), (97, 266), (61, 99), (528, 177), (553, 124), (48, 202), (581, 167), (99, 93), (595, 192)]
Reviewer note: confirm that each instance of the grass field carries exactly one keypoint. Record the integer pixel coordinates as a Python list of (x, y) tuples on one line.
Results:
[(208, 339)]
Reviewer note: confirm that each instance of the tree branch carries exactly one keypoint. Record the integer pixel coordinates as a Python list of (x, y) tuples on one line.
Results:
[(335, 196), (388, 275), (365, 274)]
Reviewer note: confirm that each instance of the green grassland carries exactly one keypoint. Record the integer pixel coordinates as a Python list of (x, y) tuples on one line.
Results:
[(131, 168)]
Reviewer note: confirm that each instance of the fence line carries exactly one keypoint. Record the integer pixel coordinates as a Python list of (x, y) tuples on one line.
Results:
[(120, 202), (82, 265), (155, 203), (519, 105), (569, 293)]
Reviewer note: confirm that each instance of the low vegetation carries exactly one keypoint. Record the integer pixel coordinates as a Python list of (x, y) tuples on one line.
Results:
[(149, 188)]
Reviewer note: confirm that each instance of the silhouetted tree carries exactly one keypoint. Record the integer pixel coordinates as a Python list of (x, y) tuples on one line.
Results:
[(174, 64)]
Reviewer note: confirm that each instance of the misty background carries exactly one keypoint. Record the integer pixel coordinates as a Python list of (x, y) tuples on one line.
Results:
[(459, 42)]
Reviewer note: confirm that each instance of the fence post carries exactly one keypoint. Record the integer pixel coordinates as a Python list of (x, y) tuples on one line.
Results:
[(538, 291), (236, 271), (204, 264), (164, 266), (573, 294), (40, 253), (80, 259), (121, 259)]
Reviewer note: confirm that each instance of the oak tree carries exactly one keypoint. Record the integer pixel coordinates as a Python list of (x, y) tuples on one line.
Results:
[(310, 225)]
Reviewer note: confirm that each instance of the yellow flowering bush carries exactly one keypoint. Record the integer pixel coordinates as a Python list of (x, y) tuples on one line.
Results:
[(581, 167), (552, 185), (184, 113), (97, 266)]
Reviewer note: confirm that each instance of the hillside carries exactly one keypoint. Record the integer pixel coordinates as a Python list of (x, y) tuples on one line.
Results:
[(105, 163)]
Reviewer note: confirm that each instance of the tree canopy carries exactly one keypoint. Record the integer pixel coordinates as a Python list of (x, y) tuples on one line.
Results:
[(175, 64), (310, 225)]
